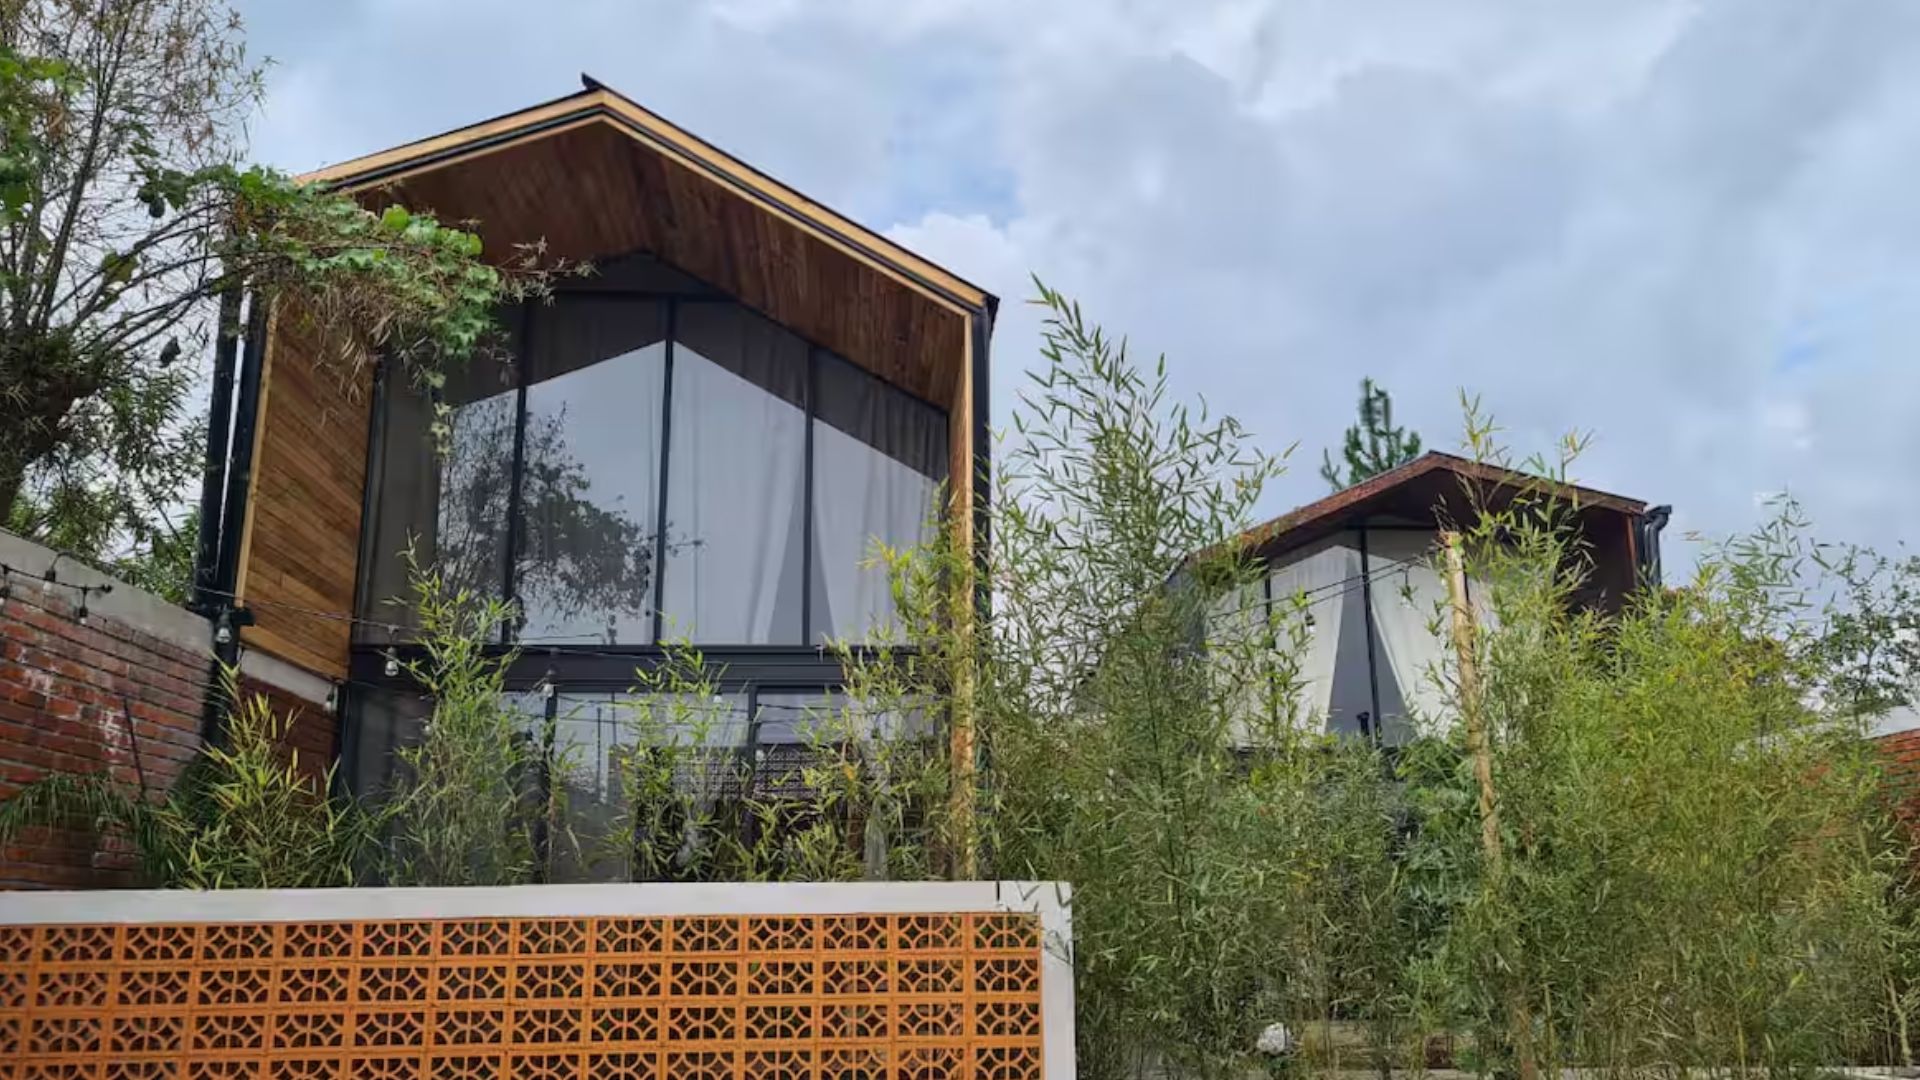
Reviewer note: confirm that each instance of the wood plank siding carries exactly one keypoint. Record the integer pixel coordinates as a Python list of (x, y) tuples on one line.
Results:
[(590, 192), (299, 559), (587, 178)]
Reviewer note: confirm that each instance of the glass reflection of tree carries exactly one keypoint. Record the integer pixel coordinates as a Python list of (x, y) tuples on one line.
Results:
[(577, 557)]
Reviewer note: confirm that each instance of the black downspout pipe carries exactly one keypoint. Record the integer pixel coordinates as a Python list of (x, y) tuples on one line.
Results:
[(246, 422), (1651, 525), (213, 480), (228, 618), (981, 465), (1371, 729)]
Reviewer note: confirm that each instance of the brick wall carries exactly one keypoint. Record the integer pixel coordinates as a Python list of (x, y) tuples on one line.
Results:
[(85, 698), (1902, 749), (121, 692)]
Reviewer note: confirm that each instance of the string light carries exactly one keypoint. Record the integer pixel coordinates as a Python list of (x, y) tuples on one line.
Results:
[(51, 577)]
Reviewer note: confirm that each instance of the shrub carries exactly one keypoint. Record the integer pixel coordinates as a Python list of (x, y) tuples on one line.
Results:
[(243, 815)]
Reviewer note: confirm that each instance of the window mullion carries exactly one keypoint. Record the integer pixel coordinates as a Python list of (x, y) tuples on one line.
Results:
[(509, 573), (812, 394), (666, 460)]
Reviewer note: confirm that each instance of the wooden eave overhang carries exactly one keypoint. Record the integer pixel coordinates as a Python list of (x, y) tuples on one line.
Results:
[(593, 175), (1421, 487)]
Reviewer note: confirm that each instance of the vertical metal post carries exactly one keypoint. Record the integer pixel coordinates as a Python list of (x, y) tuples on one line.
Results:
[(372, 491), (206, 554), (543, 825), (981, 466), (806, 498), (1371, 731), (666, 458), (516, 479), (233, 516), (223, 605)]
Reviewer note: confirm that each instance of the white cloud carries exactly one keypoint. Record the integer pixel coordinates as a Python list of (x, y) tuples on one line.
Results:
[(1684, 226)]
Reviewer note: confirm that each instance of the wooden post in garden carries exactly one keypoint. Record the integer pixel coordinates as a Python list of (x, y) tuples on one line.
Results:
[(960, 797), (1478, 746), (1480, 749), (962, 748)]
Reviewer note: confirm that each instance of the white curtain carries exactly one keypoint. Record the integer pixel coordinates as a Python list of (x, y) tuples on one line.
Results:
[(878, 455), (733, 508), (1310, 584), (1410, 616), (735, 540), (1236, 624), (860, 496)]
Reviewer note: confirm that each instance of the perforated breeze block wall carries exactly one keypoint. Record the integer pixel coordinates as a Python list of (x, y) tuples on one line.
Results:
[(389, 984)]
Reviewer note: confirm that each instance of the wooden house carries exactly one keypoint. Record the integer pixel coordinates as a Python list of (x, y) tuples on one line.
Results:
[(697, 442), (1362, 565)]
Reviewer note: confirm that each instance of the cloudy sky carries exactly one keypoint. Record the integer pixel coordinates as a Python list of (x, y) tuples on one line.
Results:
[(1692, 229)]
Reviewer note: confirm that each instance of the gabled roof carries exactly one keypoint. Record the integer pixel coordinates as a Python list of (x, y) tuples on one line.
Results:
[(598, 104), (1416, 487)]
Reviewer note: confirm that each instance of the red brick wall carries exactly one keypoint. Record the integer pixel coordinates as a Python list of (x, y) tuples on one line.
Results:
[(1903, 768), (109, 695), (85, 698)]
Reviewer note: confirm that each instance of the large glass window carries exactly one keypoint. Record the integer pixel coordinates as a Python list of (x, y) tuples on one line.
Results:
[(879, 456), (652, 453), (590, 469), (1319, 597), (442, 496), (736, 518)]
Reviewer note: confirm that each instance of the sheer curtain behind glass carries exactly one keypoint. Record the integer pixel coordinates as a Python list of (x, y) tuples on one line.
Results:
[(879, 456), (447, 503), (1308, 603), (1409, 614), (735, 499), (591, 470)]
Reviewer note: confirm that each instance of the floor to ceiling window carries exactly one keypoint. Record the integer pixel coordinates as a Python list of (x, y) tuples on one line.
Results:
[(735, 538), (646, 468), (646, 462), (878, 459)]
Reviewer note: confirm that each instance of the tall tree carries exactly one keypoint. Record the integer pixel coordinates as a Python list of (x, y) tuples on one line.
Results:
[(125, 210), (1373, 445)]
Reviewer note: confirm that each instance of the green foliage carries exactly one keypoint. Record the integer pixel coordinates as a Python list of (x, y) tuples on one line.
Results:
[(1136, 710), (465, 810), (1869, 649), (244, 815), (1373, 445), (125, 211), (1694, 864), (853, 798), (27, 83)]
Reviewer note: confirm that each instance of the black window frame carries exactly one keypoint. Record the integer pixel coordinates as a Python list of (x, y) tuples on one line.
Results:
[(807, 666)]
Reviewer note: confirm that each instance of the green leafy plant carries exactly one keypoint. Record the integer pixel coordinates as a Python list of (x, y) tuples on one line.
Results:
[(468, 805), (699, 800), (125, 211), (244, 814), (1374, 444), (1137, 713), (1685, 862)]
